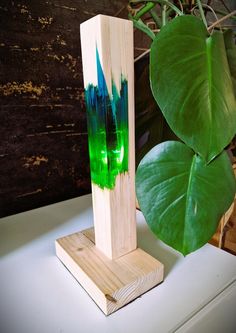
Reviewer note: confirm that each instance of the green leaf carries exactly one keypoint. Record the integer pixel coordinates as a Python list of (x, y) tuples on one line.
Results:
[(143, 27), (183, 198), (231, 55), (191, 82), (151, 127)]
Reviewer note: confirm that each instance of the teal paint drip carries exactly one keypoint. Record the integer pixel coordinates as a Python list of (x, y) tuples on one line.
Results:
[(107, 118)]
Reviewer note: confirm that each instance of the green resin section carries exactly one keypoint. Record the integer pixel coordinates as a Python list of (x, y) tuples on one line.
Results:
[(107, 118)]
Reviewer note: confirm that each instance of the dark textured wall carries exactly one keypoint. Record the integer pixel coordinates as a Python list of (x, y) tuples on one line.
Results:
[(43, 134)]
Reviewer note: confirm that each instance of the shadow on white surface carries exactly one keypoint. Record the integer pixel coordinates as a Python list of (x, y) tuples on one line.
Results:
[(155, 247)]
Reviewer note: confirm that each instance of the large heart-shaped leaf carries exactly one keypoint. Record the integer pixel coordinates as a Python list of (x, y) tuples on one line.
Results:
[(231, 55), (151, 127), (191, 82), (182, 197)]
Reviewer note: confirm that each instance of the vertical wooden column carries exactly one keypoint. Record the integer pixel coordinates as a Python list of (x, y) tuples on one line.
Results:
[(107, 263), (111, 39)]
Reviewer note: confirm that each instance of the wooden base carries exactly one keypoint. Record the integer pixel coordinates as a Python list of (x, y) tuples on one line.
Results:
[(111, 283)]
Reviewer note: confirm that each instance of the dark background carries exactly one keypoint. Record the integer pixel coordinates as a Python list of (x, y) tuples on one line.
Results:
[(43, 132)]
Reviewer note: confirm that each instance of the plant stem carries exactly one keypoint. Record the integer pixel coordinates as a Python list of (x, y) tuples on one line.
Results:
[(170, 4), (181, 6), (149, 5), (163, 15), (221, 20), (142, 55), (202, 12), (139, 24), (156, 18)]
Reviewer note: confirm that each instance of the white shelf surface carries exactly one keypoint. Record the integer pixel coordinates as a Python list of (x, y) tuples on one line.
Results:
[(38, 294)]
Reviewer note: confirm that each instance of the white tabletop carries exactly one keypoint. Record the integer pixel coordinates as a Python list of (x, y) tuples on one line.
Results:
[(39, 295)]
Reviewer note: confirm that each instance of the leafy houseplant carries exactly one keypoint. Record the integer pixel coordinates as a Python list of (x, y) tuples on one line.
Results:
[(184, 187)]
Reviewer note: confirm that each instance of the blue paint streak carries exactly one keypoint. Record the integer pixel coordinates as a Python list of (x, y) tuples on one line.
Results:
[(108, 129)]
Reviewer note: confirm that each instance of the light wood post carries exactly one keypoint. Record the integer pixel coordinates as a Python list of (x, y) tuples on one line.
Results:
[(107, 262), (110, 41)]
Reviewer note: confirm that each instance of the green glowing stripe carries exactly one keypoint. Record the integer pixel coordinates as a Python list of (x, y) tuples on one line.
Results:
[(107, 129)]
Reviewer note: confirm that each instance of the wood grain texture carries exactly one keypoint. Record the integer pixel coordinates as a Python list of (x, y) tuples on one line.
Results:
[(114, 210), (111, 283), (43, 131)]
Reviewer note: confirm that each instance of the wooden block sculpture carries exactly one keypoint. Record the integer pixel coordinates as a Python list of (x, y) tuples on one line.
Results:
[(105, 260)]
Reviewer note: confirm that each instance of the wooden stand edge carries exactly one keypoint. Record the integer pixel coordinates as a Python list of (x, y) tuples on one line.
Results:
[(110, 283)]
